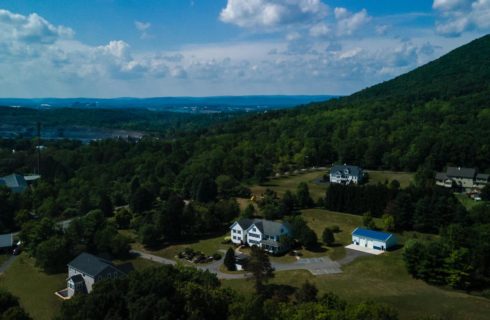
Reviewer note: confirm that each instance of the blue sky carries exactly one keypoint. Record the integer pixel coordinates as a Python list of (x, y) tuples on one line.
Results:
[(113, 48)]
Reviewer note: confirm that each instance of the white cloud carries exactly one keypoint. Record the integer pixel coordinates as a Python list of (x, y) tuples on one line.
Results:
[(272, 13), (348, 23), (458, 16), (31, 29), (143, 28)]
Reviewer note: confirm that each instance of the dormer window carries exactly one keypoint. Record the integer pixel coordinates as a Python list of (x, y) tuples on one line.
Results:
[(346, 171)]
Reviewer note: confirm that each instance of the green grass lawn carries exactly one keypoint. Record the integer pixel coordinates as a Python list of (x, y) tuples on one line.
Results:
[(405, 178), (319, 219), (34, 288), (4, 257), (466, 201), (280, 185), (384, 279), (207, 246)]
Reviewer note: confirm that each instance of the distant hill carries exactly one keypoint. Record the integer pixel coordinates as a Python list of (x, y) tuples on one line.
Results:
[(174, 104)]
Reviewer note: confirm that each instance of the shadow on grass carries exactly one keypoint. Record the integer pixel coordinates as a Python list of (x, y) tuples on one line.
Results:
[(317, 249), (188, 241)]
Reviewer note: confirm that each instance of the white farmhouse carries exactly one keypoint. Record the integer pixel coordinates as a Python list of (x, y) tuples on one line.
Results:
[(374, 240), (345, 174), (260, 232)]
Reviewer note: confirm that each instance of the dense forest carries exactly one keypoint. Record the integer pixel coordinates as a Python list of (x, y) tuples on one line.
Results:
[(160, 123)]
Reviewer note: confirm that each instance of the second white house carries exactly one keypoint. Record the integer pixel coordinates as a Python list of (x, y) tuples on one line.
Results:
[(260, 232)]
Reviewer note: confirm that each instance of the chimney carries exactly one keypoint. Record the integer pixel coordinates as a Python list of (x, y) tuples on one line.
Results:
[(459, 168)]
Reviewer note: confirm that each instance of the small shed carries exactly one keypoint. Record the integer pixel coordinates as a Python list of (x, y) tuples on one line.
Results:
[(374, 240)]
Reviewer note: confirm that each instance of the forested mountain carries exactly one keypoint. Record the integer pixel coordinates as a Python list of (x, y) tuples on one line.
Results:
[(436, 115)]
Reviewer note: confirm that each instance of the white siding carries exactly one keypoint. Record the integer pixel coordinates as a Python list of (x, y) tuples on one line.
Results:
[(238, 235)]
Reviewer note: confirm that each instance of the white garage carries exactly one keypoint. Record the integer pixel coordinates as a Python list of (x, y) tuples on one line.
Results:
[(374, 240)]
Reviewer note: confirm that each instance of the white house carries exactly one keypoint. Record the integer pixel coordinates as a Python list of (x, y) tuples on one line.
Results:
[(85, 270), (462, 178), (374, 240), (260, 232), (345, 174)]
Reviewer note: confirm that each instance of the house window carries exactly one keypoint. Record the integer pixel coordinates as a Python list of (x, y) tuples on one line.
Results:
[(239, 231), (253, 235)]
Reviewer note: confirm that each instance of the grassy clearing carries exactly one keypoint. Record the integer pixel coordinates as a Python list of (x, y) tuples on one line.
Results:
[(466, 201), (384, 279), (34, 288), (3, 258), (319, 219), (405, 178), (207, 246), (280, 185)]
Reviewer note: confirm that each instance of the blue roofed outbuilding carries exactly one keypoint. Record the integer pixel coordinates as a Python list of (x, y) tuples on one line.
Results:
[(371, 239)]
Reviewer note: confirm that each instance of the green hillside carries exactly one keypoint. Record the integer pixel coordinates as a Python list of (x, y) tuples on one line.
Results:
[(435, 115)]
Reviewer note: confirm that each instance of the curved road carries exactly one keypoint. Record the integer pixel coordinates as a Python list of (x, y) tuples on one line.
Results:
[(317, 266)]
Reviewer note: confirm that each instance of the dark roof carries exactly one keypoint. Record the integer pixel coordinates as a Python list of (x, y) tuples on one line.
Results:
[(371, 234), (441, 176), (271, 243), (483, 176), (353, 170), (6, 240), (244, 223), (14, 182), (77, 278), (459, 172), (270, 227), (90, 264)]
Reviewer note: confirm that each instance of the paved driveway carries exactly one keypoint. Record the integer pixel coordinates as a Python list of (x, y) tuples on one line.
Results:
[(317, 266), (7, 263)]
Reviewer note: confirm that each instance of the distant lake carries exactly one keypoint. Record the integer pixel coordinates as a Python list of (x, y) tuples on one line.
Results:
[(83, 134)]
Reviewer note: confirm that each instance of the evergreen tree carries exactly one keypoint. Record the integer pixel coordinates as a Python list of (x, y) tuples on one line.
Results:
[(328, 237), (306, 293), (303, 196), (229, 260), (260, 267)]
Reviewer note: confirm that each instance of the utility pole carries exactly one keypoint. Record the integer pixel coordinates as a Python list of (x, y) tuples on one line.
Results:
[(39, 147)]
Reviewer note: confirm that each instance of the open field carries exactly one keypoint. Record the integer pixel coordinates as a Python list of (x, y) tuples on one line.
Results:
[(319, 219), (384, 279), (207, 246), (35, 288), (290, 182), (280, 185), (405, 178)]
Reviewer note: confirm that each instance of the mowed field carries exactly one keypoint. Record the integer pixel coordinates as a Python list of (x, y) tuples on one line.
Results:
[(290, 182), (384, 279), (36, 289)]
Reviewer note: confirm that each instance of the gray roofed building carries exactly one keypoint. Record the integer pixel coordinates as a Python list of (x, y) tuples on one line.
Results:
[(271, 227), (260, 232), (346, 174), (14, 182), (459, 172), (463, 179), (90, 264), (86, 270), (6, 240), (441, 176)]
